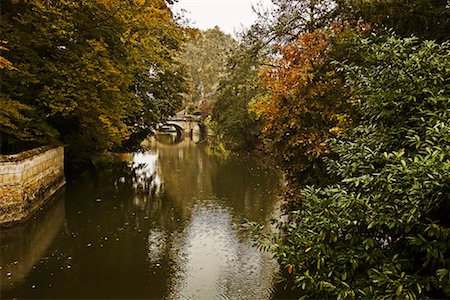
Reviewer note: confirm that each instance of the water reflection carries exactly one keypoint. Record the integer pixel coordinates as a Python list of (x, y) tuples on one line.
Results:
[(22, 247), (212, 263), (164, 223), (146, 175), (168, 138)]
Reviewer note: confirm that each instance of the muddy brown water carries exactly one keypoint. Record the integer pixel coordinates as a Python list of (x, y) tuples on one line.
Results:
[(164, 224)]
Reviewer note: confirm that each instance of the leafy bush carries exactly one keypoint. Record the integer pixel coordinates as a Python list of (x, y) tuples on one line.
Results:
[(383, 230)]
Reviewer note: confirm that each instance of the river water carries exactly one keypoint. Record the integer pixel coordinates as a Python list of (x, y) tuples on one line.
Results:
[(164, 224)]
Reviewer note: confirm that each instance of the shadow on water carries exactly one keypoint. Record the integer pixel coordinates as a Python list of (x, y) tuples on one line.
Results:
[(22, 247), (163, 223), (168, 138)]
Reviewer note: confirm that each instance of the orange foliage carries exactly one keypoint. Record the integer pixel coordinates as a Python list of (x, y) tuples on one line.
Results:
[(4, 63), (308, 102)]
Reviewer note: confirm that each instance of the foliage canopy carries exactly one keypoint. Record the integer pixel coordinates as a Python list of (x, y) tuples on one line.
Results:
[(205, 56), (90, 74), (382, 231)]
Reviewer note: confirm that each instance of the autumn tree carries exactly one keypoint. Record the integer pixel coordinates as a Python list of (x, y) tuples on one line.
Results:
[(12, 114), (308, 101), (91, 73)]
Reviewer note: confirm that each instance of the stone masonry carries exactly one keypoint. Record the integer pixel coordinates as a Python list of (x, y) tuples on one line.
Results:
[(27, 181)]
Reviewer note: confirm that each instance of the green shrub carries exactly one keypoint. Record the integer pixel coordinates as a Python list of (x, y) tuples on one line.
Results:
[(383, 230)]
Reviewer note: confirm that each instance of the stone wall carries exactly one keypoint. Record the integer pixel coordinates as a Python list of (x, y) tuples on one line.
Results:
[(27, 181)]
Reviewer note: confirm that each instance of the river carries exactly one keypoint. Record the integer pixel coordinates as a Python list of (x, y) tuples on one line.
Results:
[(164, 224)]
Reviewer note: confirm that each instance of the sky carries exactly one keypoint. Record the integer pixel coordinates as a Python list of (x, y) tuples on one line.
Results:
[(229, 15)]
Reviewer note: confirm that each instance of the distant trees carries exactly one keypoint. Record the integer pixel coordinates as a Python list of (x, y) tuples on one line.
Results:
[(224, 78), (234, 124), (204, 56), (88, 74)]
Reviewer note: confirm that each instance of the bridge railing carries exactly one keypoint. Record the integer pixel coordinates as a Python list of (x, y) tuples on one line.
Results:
[(185, 118)]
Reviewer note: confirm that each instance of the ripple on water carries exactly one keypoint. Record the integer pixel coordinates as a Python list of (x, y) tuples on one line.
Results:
[(213, 263)]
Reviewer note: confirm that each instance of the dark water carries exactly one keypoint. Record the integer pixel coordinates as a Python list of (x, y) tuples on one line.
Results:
[(165, 224)]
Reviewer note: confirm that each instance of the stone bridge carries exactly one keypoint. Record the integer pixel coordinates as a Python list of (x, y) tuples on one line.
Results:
[(184, 125)]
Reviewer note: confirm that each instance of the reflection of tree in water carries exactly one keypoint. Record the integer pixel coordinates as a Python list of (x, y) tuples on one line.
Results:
[(168, 138), (189, 174), (123, 224), (249, 191), (125, 217), (144, 169), (138, 226), (140, 174)]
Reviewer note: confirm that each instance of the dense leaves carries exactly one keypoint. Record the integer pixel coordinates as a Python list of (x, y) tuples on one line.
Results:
[(426, 19), (232, 121), (383, 230), (88, 73), (308, 101)]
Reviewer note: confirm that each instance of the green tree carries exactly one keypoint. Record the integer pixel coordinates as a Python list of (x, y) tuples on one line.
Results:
[(235, 125), (426, 19), (205, 57), (382, 231)]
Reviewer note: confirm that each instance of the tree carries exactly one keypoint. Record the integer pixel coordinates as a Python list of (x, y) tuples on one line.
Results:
[(205, 56), (12, 115), (160, 77), (290, 18), (233, 122), (308, 101), (91, 72), (424, 19), (383, 230)]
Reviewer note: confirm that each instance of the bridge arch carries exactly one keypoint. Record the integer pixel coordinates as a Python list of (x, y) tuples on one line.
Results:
[(177, 127)]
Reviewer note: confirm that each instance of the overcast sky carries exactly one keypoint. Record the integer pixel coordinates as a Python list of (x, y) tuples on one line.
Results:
[(229, 15)]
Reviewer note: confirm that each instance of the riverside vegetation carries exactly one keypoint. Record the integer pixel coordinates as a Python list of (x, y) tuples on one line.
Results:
[(351, 98)]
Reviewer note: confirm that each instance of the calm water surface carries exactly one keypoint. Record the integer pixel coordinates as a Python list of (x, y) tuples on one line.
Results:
[(165, 224)]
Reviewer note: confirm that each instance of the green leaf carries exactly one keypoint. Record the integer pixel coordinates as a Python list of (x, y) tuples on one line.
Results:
[(399, 290)]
